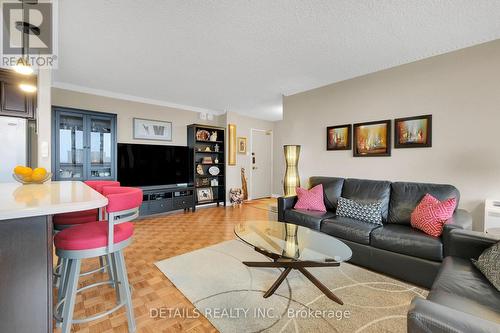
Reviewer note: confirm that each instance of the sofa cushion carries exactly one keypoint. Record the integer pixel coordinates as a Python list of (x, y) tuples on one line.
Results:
[(406, 196), (363, 211), (332, 189), (307, 218), (310, 199), (349, 229), (489, 264), (406, 240), (368, 191), (431, 214), (460, 286)]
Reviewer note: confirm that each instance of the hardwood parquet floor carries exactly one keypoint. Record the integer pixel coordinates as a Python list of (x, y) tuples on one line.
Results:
[(156, 238)]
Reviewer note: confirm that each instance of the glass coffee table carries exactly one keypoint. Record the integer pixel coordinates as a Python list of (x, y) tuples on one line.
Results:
[(290, 246)]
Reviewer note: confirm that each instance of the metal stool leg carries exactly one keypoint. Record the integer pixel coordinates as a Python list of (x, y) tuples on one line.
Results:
[(125, 289), (116, 285), (70, 294)]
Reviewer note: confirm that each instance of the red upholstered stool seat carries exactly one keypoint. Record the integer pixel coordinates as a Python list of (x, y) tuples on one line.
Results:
[(91, 235)]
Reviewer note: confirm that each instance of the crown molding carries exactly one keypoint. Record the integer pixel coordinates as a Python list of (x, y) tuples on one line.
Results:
[(131, 98)]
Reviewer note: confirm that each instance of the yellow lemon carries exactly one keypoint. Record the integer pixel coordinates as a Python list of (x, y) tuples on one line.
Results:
[(27, 178), (23, 171), (38, 174)]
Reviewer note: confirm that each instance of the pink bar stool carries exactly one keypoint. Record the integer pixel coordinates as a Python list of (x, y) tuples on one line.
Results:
[(66, 220), (96, 239)]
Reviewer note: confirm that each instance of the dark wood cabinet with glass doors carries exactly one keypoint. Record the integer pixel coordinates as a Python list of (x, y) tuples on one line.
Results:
[(83, 145)]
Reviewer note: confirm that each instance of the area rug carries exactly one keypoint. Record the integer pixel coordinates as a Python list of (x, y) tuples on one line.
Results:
[(229, 294)]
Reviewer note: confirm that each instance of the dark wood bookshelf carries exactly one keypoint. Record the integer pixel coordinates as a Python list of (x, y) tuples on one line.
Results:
[(218, 191)]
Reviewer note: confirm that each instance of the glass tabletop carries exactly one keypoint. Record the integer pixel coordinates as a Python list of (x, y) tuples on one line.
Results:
[(292, 241)]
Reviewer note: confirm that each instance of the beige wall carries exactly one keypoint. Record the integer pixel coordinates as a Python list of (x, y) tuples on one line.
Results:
[(127, 110), (460, 89), (244, 125)]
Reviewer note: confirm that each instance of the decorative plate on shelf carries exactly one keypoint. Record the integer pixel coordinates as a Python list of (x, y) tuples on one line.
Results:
[(214, 170), (202, 135)]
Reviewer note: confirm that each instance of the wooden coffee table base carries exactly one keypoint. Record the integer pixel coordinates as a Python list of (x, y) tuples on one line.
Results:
[(289, 264)]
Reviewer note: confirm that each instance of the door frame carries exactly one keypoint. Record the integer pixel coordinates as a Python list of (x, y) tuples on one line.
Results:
[(250, 174)]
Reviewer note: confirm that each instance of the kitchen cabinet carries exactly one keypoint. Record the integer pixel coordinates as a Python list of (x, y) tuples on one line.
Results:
[(13, 101)]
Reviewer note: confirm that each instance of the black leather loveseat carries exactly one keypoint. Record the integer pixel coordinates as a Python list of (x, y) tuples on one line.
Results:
[(395, 248), (461, 298)]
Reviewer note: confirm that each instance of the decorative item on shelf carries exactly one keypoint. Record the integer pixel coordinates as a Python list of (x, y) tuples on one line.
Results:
[(236, 196), (26, 175), (216, 148), (147, 129), (208, 150), (372, 139), (199, 170), (214, 182), (216, 161), (339, 137), (204, 194), (242, 145), (413, 132), (292, 179), (213, 136), (202, 182), (244, 185), (232, 144), (202, 135), (206, 160), (199, 149), (214, 170)]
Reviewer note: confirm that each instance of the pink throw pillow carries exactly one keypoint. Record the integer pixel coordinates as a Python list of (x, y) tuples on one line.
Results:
[(431, 214), (310, 200)]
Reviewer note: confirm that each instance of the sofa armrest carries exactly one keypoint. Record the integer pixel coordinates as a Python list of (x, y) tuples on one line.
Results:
[(461, 219), (468, 244), (285, 203), (425, 316)]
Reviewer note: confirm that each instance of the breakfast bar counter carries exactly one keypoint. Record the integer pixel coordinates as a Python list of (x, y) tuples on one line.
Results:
[(26, 248)]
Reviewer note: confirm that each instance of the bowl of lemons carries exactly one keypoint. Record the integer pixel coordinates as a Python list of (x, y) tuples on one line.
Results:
[(27, 175)]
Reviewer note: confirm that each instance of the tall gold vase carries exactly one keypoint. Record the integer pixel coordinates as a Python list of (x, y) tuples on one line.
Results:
[(292, 179)]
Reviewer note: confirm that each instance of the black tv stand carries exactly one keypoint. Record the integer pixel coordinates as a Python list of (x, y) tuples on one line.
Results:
[(157, 200)]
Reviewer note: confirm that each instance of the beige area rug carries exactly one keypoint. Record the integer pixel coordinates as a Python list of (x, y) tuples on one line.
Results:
[(229, 294)]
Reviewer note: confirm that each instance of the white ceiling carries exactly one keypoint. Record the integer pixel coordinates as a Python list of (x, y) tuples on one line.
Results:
[(242, 55)]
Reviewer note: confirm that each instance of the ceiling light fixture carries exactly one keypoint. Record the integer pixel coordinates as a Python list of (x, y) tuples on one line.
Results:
[(27, 87), (23, 67)]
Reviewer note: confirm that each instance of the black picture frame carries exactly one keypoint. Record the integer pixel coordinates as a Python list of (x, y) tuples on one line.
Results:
[(398, 132), (376, 152), (331, 147)]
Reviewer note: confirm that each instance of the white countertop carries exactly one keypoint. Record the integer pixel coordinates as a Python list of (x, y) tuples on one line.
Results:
[(17, 200)]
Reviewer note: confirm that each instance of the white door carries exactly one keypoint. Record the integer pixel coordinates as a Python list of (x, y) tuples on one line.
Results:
[(262, 160)]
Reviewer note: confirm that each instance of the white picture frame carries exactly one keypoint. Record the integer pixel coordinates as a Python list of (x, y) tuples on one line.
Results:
[(148, 129)]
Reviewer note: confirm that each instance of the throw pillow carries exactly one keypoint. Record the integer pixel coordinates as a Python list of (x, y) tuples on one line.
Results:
[(370, 212), (310, 200), (431, 214), (489, 264)]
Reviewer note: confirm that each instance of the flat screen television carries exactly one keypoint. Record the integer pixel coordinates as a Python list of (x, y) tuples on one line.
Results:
[(152, 165)]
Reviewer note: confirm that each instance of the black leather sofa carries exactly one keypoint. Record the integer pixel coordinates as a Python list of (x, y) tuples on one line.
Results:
[(461, 298), (394, 248)]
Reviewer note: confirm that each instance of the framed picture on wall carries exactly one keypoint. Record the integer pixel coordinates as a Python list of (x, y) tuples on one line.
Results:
[(242, 145), (413, 132), (339, 137), (147, 129), (372, 139)]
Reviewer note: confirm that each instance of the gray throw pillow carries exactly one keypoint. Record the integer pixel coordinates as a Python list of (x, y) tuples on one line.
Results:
[(489, 264), (370, 212)]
